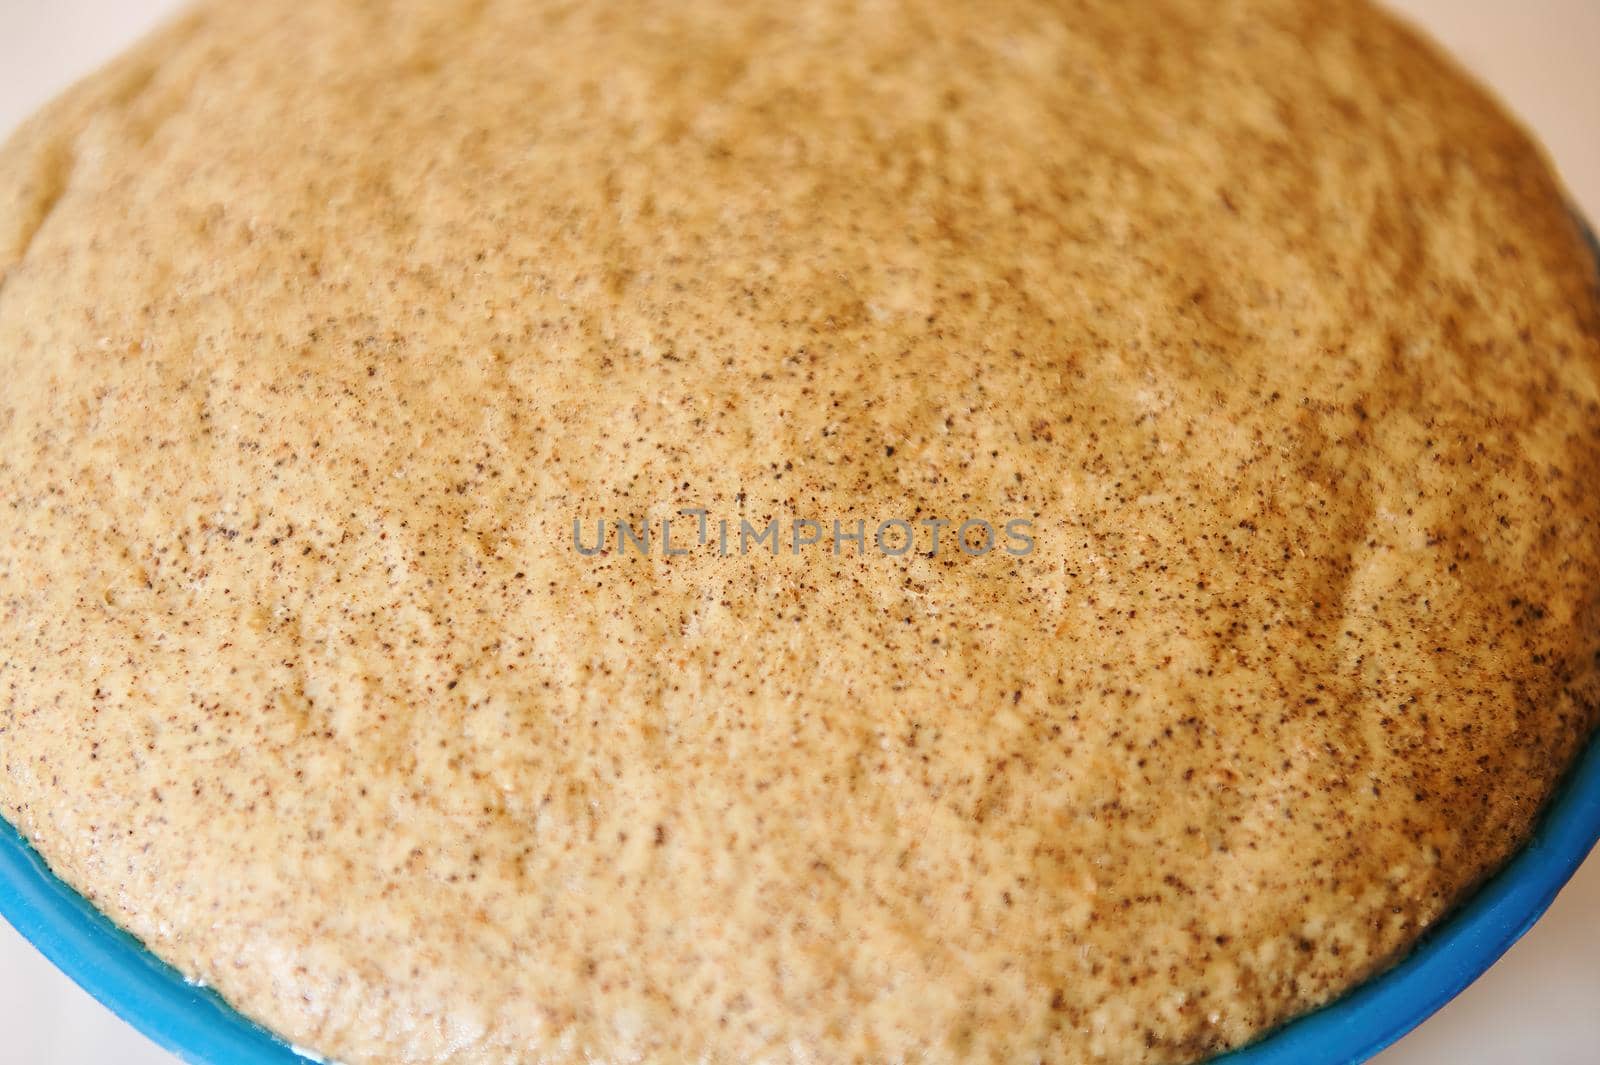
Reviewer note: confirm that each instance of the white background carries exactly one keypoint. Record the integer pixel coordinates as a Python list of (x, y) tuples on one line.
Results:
[(1539, 1006)]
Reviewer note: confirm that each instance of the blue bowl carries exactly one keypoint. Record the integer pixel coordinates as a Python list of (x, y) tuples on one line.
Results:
[(199, 1027)]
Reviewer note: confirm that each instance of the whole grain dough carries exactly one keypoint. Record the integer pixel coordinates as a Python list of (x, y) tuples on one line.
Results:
[(321, 325)]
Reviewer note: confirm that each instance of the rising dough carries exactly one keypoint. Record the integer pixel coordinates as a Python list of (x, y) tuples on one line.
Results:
[(322, 323)]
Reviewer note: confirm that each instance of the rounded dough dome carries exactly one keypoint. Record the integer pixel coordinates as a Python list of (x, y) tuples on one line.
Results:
[(321, 324)]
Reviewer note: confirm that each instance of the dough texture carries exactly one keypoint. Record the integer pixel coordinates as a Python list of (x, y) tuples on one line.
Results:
[(322, 323)]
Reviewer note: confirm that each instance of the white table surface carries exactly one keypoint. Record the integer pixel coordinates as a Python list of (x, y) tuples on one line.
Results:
[(1539, 1006)]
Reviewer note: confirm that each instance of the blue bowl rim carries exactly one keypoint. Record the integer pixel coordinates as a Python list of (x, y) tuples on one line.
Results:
[(195, 1023)]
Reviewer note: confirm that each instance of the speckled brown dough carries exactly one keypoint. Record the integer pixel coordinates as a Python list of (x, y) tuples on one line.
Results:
[(320, 323)]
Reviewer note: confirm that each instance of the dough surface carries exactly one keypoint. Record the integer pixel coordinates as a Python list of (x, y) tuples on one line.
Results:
[(321, 324)]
